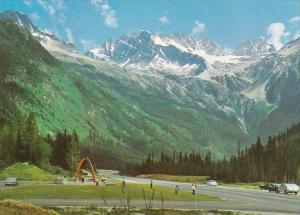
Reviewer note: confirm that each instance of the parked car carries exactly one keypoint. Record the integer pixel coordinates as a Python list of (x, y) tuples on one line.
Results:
[(212, 183), (11, 182), (273, 187), (63, 180), (108, 181), (264, 186), (289, 188)]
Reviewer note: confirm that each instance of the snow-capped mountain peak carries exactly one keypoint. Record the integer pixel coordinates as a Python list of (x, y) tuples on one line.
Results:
[(179, 54), (254, 47), (53, 44), (21, 19)]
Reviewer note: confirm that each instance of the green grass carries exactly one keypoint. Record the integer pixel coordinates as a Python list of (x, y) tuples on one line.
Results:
[(21, 208), (135, 191), (177, 178), (243, 185), (25, 171)]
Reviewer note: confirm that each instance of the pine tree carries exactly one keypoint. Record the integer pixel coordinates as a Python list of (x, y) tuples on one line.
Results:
[(73, 154), (60, 148), (31, 138)]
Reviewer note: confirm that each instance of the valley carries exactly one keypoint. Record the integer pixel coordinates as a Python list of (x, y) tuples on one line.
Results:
[(126, 94)]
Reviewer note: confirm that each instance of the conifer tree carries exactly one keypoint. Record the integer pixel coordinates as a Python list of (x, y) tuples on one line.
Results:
[(73, 154)]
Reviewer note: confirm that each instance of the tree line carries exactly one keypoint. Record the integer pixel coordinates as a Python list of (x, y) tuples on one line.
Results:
[(20, 141), (276, 161)]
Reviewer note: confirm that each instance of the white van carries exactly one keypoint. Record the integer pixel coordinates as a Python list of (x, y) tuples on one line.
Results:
[(212, 183), (289, 188)]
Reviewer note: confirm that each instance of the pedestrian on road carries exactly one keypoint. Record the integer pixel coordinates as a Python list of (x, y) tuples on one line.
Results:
[(176, 189), (151, 184), (194, 189), (123, 183)]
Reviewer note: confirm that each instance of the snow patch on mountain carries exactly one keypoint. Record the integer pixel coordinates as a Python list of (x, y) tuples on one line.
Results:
[(254, 47), (179, 55), (257, 93), (290, 48)]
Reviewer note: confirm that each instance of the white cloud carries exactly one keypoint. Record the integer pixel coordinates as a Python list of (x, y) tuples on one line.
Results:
[(34, 16), (87, 44), (110, 19), (69, 35), (59, 4), (163, 20), (276, 31), (54, 9), (296, 35), (61, 17), (47, 7), (198, 28), (295, 19), (27, 2)]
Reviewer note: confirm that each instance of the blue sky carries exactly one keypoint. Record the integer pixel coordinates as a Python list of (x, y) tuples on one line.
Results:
[(87, 23)]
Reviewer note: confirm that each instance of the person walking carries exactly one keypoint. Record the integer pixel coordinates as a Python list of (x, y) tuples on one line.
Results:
[(194, 189), (194, 194), (123, 183), (176, 189), (151, 184)]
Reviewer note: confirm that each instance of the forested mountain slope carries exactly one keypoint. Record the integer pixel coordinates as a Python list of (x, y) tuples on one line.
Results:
[(277, 160), (100, 100), (133, 111)]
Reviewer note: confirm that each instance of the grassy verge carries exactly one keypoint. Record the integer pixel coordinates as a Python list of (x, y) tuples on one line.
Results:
[(123, 211), (21, 208), (26, 171), (135, 191), (243, 185), (177, 178)]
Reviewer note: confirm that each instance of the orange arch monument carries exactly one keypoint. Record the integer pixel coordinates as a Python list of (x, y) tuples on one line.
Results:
[(77, 176)]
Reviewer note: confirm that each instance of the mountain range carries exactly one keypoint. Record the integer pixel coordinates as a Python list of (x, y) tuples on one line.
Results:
[(146, 92)]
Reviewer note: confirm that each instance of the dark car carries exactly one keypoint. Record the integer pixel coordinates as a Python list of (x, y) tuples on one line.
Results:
[(273, 187), (11, 182), (264, 186)]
